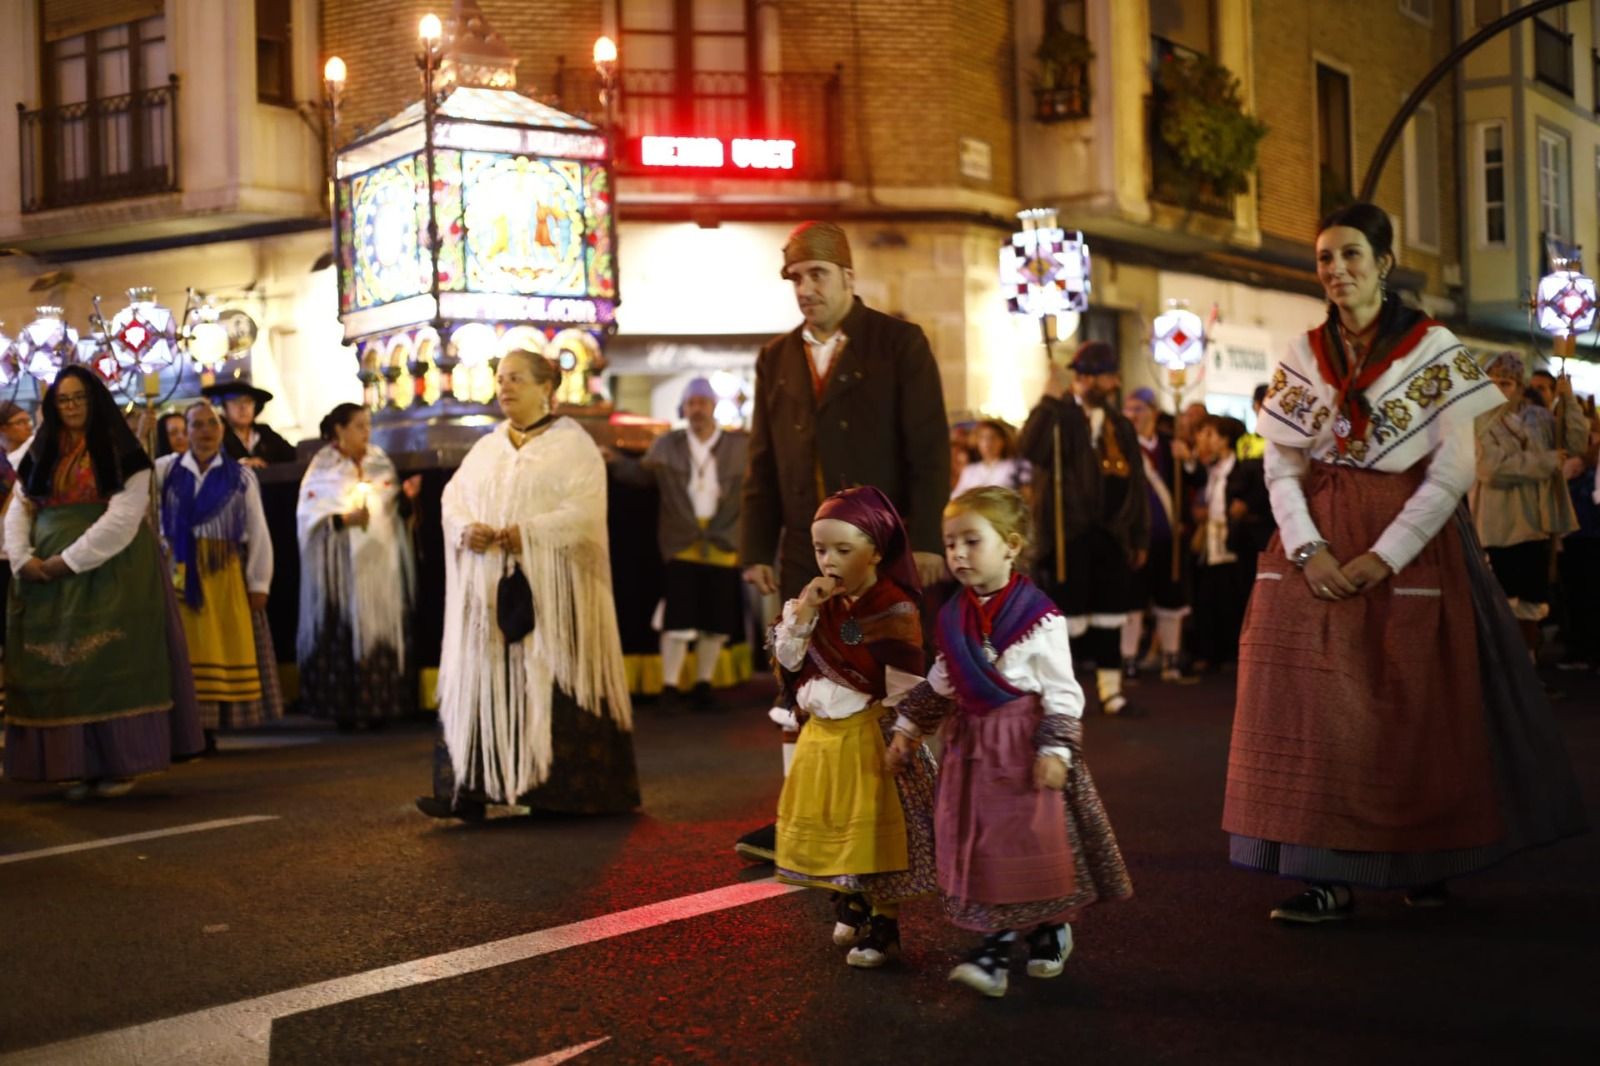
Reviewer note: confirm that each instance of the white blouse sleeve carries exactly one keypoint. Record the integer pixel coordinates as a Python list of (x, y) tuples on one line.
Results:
[(1284, 468), (112, 531), (897, 683), (939, 680), (1451, 472), (1059, 692), (258, 538), (19, 529), (453, 514), (790, 639)]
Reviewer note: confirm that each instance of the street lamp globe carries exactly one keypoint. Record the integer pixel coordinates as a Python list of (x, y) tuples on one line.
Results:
[(334, 73), (605, 54), (430, 29)]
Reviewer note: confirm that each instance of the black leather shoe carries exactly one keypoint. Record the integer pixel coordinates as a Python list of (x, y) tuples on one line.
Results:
[(759, 845)]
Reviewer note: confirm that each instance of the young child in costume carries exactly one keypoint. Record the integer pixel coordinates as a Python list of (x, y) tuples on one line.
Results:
[(848, 646), (1024, 843)]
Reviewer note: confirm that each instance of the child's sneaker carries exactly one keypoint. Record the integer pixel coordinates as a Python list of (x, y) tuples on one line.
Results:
[(852, 914), (1048, 948), (1319, 903), (985, 969), (882, 941)]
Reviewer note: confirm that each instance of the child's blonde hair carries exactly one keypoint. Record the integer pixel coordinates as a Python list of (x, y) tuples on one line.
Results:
[(1003, 508)]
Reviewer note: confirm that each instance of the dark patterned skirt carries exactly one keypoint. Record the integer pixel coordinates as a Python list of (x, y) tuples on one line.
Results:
[(333, 684), (591, 770)]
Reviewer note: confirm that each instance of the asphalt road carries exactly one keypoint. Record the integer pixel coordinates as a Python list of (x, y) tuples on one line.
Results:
[(297, 938)]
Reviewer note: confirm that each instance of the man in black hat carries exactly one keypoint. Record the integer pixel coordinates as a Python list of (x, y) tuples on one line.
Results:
[(252, 443), (1091, 510)]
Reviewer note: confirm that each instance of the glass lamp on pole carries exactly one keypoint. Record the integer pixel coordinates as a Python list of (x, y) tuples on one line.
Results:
[(1177, 344), (46, 345), (1566, 305)]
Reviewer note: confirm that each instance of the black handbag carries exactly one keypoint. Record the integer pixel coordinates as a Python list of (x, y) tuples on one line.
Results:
[(513, 607)]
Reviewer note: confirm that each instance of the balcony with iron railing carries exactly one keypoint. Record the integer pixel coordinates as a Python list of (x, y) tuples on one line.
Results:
[(801, 107), (1552, 56), (112, 148)]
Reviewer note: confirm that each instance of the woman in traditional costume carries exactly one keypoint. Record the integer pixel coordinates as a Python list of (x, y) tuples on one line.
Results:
[(1390, 731), (533, 697), (357, 578), (850, 645), (89, 677), (1024, 841), (216, 536)]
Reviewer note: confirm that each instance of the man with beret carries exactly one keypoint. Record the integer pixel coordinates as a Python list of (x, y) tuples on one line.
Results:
[(1092, 543), (252, 443), (698, 472), (850, 397)]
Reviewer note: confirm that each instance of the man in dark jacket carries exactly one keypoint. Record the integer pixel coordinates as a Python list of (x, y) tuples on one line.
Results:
[(850, 397), (1092, 541)]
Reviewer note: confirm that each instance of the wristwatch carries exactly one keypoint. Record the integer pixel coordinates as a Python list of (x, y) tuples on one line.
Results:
[(1302, 555)]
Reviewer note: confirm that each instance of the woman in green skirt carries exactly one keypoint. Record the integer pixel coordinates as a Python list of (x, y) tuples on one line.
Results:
[(89, 680)]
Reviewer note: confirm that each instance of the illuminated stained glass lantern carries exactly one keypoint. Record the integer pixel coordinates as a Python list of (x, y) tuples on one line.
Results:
[(144, 334), (520, 195), (1177, 339), (1044, 270), (46, 345), (1567, 303)]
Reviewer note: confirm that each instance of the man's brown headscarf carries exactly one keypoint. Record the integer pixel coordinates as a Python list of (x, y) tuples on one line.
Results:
[(816, 242)]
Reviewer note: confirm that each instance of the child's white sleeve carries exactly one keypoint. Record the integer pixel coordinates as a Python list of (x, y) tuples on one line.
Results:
[(790, 638), (1059, 691), (897, 683)]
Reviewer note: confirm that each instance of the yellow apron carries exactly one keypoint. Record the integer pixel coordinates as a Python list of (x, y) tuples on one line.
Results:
[(840, 811)]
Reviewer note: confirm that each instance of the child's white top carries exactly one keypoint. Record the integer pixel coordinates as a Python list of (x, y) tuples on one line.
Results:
[(1040, 662), (821, 696)]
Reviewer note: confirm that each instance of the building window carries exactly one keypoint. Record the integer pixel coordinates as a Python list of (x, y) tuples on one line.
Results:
[(1422, 179), (1492, 156), (1555, 185), (107, 101), (1189, 24), (274, 55), (688, 66), (1334, 178), (1421, 10), (1552, 49)]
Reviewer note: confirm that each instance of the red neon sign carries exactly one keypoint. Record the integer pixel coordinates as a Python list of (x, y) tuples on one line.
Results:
[(713, 153)]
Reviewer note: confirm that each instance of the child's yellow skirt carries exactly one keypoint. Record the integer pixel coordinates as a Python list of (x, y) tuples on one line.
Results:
[(840, 810)]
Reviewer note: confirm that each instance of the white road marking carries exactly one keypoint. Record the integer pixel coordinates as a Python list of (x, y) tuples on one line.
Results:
[(132, 838), (239, 1034), (564, 1054)]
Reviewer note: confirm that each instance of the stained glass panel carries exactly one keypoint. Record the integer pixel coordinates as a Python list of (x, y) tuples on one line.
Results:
[(525, 225), (602, 257), (452, 232), (390, 262)]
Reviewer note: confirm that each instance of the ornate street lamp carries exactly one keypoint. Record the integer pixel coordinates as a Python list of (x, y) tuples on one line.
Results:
[(1044, 273), (46, 344)]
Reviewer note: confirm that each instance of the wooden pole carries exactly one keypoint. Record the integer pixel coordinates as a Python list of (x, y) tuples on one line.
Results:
[(1055, 467)]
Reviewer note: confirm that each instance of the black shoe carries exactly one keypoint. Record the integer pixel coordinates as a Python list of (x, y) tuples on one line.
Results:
[(466, 810), (759, 845), (1319, 903), (1425, 897), (701, 697), (878, 946), (670, 701), (1048, 948), (852, 914), (987, 966), (1130, 671)]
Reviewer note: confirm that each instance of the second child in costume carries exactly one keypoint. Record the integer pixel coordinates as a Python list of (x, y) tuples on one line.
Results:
[(849, 646), (1024, 842)]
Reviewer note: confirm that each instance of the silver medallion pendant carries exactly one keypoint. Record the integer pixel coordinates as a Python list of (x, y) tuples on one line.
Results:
[(850, 632), (988, 650), (1341, 427)]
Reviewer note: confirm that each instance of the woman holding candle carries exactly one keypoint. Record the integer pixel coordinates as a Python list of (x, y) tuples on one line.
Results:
[(356, 578)]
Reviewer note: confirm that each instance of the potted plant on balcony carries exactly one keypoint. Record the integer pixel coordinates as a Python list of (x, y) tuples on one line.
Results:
[(1210, 144), (1061, 82)]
